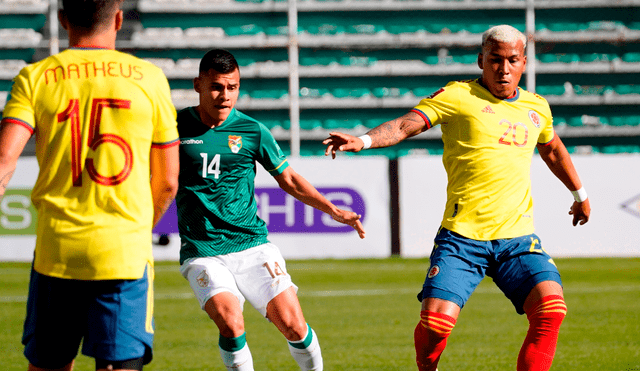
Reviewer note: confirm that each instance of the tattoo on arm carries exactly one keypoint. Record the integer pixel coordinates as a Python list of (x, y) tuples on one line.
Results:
[(395, 131), (159, 210)]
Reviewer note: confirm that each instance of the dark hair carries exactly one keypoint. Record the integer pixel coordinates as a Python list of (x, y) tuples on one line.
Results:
[(90, 14), (218, 60)]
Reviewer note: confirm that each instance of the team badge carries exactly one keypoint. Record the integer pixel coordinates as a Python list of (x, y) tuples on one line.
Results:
[(433, 271), (235, 143), (203, 279), (535, 119)]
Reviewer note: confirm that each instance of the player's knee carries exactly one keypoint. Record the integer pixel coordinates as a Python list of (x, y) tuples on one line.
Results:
[(548, 311), (434, 325)]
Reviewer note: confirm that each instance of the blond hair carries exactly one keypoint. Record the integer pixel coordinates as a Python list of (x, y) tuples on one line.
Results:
[(503, 34)]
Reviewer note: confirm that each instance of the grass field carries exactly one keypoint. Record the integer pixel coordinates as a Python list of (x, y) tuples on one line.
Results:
[(364, 312)]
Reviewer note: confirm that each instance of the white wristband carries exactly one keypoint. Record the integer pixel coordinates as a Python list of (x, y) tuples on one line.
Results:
[(579, 195), (367, 141)]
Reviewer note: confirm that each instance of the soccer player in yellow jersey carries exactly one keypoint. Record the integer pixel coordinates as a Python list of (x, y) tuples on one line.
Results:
[(490, 128), (107, 149)]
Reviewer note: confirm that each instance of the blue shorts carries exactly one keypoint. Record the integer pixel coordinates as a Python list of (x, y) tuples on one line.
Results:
[(114, 317), (458, 264)]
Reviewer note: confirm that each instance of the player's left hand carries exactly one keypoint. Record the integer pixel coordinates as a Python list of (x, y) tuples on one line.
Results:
[(349, 218), (580, 212)]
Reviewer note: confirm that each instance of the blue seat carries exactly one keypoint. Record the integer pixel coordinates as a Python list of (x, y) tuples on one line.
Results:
[(350, 92), (341, 124)]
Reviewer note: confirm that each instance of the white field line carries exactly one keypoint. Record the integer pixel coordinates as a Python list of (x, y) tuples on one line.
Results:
[(372, 292)]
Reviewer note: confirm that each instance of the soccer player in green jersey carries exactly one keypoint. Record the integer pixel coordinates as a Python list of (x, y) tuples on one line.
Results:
[(107, 150), (225, 253), (490, 128)]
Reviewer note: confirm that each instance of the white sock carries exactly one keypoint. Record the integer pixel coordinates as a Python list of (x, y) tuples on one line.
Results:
[(236, 359), (307, 351)]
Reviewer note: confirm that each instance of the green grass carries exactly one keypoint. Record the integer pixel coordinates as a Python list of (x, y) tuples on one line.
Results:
[(364, 312)]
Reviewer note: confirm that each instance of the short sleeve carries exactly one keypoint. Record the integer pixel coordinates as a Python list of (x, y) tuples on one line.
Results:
[(19, 108), (165, 124), (546, 133), (270, 155), (440, 107)]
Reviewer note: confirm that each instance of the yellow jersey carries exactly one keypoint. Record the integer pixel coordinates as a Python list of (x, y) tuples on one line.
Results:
[(95, 113), (488, 146)]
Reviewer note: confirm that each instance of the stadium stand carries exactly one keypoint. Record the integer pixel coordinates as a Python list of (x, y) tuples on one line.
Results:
[(362, 62)]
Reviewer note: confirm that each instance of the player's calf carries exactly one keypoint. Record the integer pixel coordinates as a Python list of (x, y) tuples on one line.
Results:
[(545, 318), (430, 337)]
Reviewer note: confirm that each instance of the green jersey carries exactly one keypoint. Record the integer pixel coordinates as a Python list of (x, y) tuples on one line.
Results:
[(217, 211)]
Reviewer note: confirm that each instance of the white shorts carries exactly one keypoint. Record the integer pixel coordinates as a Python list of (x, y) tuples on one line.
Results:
[(258, 274)]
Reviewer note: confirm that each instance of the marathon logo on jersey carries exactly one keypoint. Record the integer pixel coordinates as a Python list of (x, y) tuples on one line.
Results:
[(284, 214), (535, 119), (191, 141), (235, 143)]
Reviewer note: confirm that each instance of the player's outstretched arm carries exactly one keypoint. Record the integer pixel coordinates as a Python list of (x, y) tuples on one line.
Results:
[(300, 188), (165, 167), (557, 158), (385, 135), (13, 138)]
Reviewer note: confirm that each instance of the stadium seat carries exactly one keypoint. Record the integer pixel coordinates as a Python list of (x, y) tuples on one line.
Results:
[(357, 61), (627, 89), (550, 90), (268, 94), (368, 29), (566, 26), (317, 61), (631, 57), (397, 29), (559, 121), (341, 124), (431, 59), (592, 89), (372, 123), (598, 57), (575, 121), (341, 93), (390, 92), (310, 124), (314, 93), (325, 29), (244, 30), (605, 26), (630, 120), (465, 58)]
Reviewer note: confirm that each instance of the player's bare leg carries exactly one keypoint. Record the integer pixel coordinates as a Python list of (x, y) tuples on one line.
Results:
[(224, 309), (437, 319), (545, 309), (286, 314)]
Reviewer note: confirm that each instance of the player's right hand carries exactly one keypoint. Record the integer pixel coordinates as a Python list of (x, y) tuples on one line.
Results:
[(342, 142), (349, 218), (581, 212)]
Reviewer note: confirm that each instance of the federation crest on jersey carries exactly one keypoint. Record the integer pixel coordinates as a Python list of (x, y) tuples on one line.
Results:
[(535, 118), (433, 271), (235, 143)]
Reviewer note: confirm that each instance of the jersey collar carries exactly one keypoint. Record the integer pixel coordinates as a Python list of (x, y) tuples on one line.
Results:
[(512, 98)]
